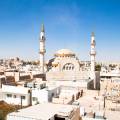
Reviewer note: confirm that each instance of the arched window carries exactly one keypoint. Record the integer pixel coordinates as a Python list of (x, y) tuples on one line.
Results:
[(68, 66), (72, 67)]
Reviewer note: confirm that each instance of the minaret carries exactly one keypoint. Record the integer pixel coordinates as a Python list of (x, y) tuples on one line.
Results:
[(92, 55), (42, 49), (93, 52)]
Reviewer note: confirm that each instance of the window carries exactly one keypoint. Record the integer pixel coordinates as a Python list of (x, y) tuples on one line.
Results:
[(22, 97), (72, 67), (64, 68), (9, 95), (56, 117), (14, 96), (52, 94), (68, 66), (34, 99)]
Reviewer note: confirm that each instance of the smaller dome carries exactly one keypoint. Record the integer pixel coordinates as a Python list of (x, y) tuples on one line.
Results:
[(63, 52), (54, 63)]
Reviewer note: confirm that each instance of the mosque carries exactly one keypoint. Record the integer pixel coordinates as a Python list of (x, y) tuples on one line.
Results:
[(65, 66)]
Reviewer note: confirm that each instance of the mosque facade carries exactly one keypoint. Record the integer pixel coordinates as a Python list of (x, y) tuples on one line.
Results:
[(65, 66)]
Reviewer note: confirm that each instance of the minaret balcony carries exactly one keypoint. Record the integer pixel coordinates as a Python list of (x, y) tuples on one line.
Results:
[(93, 53), (42, 51), (93, 44), (42, 40)]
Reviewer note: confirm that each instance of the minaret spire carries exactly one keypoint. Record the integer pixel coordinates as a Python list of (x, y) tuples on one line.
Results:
[(42, 49), (42, 28)]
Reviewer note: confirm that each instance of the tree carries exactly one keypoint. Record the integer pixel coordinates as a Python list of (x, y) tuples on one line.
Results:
[(98, 67), (1, 115), (6, 109)]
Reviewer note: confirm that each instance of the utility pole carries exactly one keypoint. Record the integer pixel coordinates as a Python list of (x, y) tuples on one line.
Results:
[(21, 101)]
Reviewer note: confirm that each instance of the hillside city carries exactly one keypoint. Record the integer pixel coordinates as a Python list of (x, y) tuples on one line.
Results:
[(63, 88)]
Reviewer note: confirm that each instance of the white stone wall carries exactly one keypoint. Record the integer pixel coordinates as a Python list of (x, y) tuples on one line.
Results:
[(12, 95), (16, 100), (40, 95)]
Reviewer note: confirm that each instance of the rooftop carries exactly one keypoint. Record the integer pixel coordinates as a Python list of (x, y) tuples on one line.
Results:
[(42, 111), (15, 89)]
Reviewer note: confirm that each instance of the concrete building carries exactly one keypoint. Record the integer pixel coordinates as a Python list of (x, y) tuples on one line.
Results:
[(16, 95), (29, 94), (67, 95), (47, 111), (44, 95)]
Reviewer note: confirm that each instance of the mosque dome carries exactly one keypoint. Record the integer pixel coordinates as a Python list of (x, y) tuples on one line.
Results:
[(64, 52)]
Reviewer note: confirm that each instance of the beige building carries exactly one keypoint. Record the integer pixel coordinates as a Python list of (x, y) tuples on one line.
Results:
[(47, 111), (66, 66)]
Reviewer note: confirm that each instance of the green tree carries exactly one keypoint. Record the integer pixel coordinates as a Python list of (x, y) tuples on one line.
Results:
[(1, 115), (98, 67)]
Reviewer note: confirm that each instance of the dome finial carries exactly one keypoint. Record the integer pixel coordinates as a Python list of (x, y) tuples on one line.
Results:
[(42, 28)]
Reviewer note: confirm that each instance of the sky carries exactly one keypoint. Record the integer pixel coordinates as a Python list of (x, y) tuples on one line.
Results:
[(68, 24)]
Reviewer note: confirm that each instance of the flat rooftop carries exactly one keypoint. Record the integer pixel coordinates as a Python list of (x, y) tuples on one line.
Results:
[(43, 111), (14, 89)]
